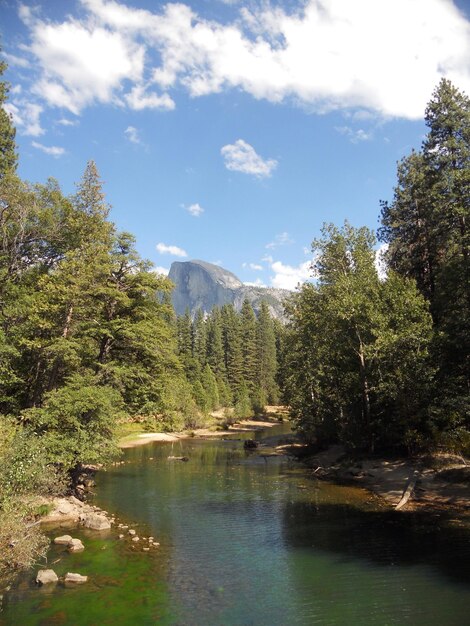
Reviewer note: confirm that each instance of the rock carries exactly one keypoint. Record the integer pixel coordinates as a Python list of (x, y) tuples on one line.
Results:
[(250, 444), (95, 521), (71, 577), (64, 540), (75, 545), (146, 549), (121, 536), (46, 576), (178, 458), (132, 531), (136, 538), (202, 286)]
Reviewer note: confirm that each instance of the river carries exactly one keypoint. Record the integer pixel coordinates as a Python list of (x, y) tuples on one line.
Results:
[(248, 540)]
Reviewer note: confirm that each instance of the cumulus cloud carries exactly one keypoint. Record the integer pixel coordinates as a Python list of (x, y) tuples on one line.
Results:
[(354, 136), (162, 248), (132, 134), (26, 117), (195, 209), (54, 151), (158, 269), (241, 157), (253, 266), (383, 57), (283, 239), (289, 276)]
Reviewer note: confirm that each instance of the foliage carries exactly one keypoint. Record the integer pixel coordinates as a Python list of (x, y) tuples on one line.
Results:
[(426, 229), (358, 365)]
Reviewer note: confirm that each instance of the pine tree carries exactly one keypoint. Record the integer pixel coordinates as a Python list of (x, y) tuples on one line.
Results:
[(232, 348), (426, 227), (266, 353), (215, 346), (8, 155), (248, 345)]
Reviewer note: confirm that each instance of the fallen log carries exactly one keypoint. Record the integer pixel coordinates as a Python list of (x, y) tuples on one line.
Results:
[(408, 491)]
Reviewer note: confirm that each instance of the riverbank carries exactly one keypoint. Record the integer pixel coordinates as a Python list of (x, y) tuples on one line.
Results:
[(272, 418), (438, 483)]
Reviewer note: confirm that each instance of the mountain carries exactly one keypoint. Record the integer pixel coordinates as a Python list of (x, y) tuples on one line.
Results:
[(201, 285)]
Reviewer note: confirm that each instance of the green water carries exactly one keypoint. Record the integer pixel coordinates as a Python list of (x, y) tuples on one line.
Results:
[(247, 540)]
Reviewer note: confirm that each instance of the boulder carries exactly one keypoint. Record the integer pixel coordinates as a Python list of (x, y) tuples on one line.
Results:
[(46, 576), (250, 444), (63, 540), (71, 577), (95, 521), (75, 545)]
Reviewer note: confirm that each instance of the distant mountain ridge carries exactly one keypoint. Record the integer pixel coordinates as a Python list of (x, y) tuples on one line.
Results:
[(202, 286)]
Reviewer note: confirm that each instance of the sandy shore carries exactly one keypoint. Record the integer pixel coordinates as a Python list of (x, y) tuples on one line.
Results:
[(406, 484), (244, 426)]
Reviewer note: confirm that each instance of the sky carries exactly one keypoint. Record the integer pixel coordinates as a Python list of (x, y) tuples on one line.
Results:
[(230, 130)]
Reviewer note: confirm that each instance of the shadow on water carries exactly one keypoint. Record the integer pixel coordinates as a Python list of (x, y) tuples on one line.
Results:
[(383, 538)]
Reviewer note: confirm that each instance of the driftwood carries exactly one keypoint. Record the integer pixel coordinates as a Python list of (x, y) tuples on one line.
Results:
[(178, 458), (408, 492)]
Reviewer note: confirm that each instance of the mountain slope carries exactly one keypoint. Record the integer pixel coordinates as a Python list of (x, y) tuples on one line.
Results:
[(202, 285)]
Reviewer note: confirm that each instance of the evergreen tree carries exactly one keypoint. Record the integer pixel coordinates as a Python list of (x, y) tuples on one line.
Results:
[(248, 345), (358, 348), (426, 227), (266, 353), (200, 339), (215, 346), (232, 348), (8, 156)]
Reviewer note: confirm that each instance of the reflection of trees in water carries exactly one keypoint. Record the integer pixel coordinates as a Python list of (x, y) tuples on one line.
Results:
[(384, 538)]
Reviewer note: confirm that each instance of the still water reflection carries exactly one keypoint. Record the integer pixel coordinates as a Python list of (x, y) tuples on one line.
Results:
[(251, 540)]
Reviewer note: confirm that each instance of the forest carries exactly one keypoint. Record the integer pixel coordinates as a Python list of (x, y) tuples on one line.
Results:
[(89, 339)]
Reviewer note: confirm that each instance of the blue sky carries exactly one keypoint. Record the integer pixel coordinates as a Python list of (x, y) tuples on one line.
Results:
[(228, 130)]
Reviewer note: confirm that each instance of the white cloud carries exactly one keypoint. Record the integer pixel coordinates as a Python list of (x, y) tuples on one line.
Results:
[(82, 62), (241, 157), (162, 248), (16, 60), (138, 99), (382, 57), (132, 134), (54, 151), (26, 117), (380, 264), (158, 269), (65, 122), (283, 239), (253, 266), (354, 136), (257, 283), (194, 209), (288, 276)]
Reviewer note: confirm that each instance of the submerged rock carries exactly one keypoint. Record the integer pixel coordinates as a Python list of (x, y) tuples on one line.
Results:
[(95, 521), (72, 577), (63, 540), (75, 545), (250, 444), (46, 576)]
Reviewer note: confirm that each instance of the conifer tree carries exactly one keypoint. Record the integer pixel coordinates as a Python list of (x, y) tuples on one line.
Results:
[(266, 353), (248, 345), (8, 155)]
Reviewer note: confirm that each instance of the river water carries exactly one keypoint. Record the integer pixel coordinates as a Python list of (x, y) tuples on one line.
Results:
[(250, 540)]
